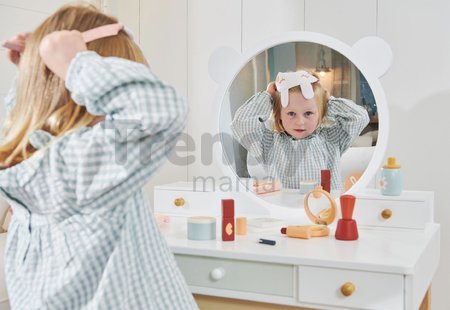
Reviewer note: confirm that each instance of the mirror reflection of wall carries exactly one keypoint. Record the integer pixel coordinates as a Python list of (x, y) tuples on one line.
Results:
[(253, 77), (337, 74)]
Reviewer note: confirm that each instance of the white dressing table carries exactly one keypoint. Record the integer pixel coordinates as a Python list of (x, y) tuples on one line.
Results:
[(390, 266)]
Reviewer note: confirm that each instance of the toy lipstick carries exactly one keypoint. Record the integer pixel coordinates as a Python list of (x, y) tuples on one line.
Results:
[(227, 220), (325, 176)]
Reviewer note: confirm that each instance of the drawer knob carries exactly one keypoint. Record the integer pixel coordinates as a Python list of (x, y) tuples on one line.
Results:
[(386, 214), (179, 202), (348, 288), (217, 273)]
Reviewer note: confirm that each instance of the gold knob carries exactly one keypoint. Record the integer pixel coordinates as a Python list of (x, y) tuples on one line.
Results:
[(348, 288), (386, 214), (179, 202)]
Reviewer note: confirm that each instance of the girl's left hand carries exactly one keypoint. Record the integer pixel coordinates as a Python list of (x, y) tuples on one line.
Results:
[(58, 48), (272, 89), (15, 47)]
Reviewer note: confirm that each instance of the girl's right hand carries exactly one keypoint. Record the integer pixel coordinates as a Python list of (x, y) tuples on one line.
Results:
[(272, 89), (58, 48), (15, 47)]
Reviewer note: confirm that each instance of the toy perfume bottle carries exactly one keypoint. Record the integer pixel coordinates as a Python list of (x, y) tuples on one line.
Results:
[(391, 181), (346, 227), (227, 220)]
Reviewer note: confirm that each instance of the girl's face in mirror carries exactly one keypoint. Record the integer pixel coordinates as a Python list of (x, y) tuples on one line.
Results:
[(301, 117)]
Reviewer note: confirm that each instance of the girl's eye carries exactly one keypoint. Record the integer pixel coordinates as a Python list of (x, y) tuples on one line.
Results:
[(291, 114), (309, 113)]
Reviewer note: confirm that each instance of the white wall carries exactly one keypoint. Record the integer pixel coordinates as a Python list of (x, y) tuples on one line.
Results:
[(418, 91)]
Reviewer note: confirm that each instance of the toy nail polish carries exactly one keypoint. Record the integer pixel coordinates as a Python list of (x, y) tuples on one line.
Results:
[(346, 228), (391, 181)]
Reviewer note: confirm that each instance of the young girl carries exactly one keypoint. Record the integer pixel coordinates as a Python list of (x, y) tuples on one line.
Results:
[(296, 130), (87, 128)]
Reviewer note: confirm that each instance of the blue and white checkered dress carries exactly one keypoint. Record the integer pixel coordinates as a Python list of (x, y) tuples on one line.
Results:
[(82, 234), (294, 160)]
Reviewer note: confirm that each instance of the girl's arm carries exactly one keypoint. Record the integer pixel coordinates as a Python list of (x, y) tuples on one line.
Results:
[(109, 161), (348, 120), (248, 125)]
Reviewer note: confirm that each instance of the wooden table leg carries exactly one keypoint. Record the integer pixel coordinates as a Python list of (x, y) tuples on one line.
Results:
[(426, 302)]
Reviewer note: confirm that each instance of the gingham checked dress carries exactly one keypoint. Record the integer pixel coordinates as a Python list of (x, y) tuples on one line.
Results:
[(294, 160), (82, 234)]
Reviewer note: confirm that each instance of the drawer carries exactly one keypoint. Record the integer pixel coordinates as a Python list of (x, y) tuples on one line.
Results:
[(237, 275), (392, 213), (187, 203), (322, 286)]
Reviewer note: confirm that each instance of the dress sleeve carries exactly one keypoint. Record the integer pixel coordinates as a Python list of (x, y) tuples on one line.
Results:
[(347, 121), (249, 125), (116, 157)]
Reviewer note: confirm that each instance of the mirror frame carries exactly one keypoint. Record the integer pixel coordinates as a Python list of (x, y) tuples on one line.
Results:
[(230, 68)]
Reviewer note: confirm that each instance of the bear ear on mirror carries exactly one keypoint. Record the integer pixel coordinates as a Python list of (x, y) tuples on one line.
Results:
[(223, 62), (373, 54)]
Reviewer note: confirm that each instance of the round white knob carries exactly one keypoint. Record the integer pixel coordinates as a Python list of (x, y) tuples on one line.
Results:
[(217, 273)]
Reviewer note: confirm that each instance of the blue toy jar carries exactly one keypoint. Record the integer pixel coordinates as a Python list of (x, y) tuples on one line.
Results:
[(391, 180)]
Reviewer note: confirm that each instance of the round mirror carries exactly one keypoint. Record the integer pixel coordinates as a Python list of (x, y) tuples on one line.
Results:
[(320, 207), (343, 73)]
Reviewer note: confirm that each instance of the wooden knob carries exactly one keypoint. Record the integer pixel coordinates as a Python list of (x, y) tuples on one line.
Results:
[(386, 214), (347, 288), (179, 202)]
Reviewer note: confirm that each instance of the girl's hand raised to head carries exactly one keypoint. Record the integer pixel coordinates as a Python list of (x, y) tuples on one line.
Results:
[(58, 48), (271, 89), (15, 47)]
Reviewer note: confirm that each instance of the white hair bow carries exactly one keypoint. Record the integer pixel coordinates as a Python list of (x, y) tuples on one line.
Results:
[(287, 80)]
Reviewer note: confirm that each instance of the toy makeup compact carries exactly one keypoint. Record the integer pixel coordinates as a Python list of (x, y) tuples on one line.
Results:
[(307, 185), (201, 228), (321, 209)]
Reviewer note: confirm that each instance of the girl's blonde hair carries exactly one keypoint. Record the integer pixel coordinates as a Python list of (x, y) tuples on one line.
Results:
[(320, 95), (42, 101)]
